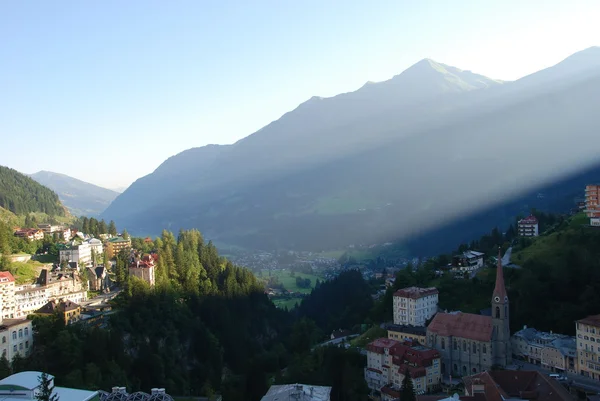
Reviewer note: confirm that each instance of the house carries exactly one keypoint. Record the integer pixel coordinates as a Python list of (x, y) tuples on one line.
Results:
[(98, 278), (515, 385), (414, 305), (143, 268), (468, 261), (388, 361), (528, 227), (116, 245), (472, 343), (70, 311), (555, 352), (26, 385), (49, 228), (417, 334), (588, 346), (297, 392), (17, 338), (31, 234), (81, 253)]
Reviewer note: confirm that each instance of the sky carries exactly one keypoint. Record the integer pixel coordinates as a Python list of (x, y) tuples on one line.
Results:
[(105, 91)]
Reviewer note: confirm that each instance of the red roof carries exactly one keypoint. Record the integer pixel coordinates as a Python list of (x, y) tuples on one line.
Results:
[(416, 292), (502, 384), (462, 325), (531, 219), (593, 320), (380, 344), (6, 277)]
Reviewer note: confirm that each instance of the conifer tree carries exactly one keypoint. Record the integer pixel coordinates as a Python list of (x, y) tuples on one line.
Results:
[(112, 228), (46, 389), (407, 391)]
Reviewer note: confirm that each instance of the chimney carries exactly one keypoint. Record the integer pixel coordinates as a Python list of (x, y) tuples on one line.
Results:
[(116, 389)]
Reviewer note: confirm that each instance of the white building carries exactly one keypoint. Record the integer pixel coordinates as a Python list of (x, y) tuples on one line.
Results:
[(414, 305), (79, 253), (16, 337), (26, 385), (297, 392), (28, 299), (96, 246), (7, 296), (528, 227), (470, 261)]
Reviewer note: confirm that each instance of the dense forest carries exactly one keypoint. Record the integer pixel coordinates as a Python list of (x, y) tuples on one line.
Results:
[(21, 195), (206, 327)]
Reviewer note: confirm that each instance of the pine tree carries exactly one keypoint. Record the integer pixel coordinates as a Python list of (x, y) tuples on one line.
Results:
[(407, 391), (5, 369), (125, 234), (112, 228), (46, 389)]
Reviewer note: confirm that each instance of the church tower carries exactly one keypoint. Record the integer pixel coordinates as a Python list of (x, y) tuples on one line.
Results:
[(501, 348)]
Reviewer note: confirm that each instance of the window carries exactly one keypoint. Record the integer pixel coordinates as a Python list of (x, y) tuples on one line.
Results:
[(14, 334), (464, 369), (464, 346), (474, 370), (15, 348), (443, 343), (21, 346), (26, 331), (497, 312), (20, 333), (455, 345), (26, 344), (474, 348), (3, 339), (4, 353), (455, 367), (484, 349)]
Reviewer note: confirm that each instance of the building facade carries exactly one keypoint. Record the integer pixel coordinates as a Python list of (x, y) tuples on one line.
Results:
[(528, 227), (555, 352), (588, 346), (414, 305), (470, 343), (78, 253), (592, 205), (116, 245), (16, 338), (7, 295), (143, 268), (468, 261), (31, 234), (388, 361), (417, 334)]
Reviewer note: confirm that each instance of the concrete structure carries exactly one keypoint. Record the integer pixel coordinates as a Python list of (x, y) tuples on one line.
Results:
[(297, 392), (78, 253), (528, 227), (7, 296), (116, 245), (588, 347), (25, 385), (414, 305), (143, 268), (417, 334), (551, 351), (592, 204), (389, 360), (514, 385), (16, 338), (472, 343)]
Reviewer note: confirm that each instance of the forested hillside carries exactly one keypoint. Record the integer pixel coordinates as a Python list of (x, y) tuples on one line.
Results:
[(21, 195)]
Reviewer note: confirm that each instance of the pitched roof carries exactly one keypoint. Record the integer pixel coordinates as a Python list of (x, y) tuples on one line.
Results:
[(500, 289), (531, 385), (531, 219), (593, 320), (416, 292), (6, 277), (462, 325)]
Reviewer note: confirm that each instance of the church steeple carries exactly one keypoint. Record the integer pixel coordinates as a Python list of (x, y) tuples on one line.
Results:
[(500, 289)]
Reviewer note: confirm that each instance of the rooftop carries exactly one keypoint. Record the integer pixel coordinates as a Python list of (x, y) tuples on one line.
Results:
[(28, 380), (593, 320), (416, 292), (462, 325), (298, 392), (415, 330), (529, 220), (6, 277)]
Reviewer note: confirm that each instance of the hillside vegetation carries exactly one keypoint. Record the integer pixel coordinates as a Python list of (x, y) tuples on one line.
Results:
[(21, 195)]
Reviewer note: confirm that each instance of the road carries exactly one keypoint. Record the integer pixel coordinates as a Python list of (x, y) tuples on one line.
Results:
[(100, 299)]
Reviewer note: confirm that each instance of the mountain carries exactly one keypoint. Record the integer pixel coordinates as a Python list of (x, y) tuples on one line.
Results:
[(396, 159), (81, 198), (21, 195)]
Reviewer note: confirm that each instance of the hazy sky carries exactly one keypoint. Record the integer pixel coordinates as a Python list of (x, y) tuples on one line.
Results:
[(105, 91)]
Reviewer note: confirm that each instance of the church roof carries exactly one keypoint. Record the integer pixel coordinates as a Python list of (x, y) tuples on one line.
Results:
[(462, 325), (500, 289)]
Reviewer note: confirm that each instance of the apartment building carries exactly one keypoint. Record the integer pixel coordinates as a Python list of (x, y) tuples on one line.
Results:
[(414, 305), (588, 346), (29, 298), (388, 361), (7, 296), (78, 253), (528, 227), (417, 334), (552, 351), (592, 206), (116, 245), (16, 338)]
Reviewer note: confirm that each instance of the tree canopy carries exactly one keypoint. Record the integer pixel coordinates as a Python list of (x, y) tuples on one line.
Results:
[(21, 195)]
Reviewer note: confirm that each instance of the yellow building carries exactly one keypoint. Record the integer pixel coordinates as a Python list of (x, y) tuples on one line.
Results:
[(403, 333), (70, 311), (116, 245), (588, 346)]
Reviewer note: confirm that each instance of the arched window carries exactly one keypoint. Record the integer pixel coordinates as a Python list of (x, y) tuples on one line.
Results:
[(14, 334), (455, 368), (464, 369), (455, 344), (443, 343), (464, 346), (26, 331), (3, 339), (474, 348), (474, 370), (497, 312), (20, 333), (484, 349)]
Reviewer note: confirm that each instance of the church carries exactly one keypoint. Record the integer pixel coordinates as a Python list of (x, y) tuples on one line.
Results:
[(471, 343)]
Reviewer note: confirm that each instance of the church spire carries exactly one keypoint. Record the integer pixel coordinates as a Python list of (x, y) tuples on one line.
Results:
[(499, 290)]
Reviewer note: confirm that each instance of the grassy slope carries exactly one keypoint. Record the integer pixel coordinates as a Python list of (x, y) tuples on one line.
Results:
[(25, 272), (368, 336)]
